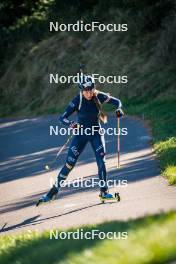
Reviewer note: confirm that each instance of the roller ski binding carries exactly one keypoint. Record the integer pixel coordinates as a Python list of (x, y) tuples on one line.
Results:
[(50, 196), (105, 196)]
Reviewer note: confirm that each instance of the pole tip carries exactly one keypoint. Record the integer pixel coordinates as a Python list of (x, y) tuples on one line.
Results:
[(47, 167)]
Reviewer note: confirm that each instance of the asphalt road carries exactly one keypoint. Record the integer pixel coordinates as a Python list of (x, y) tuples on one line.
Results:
[(26, 146)]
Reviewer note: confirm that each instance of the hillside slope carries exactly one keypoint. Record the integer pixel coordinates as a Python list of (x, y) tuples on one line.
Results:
[(146, 53)]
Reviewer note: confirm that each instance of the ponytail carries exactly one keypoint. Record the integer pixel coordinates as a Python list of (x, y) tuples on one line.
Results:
[(102, 115)]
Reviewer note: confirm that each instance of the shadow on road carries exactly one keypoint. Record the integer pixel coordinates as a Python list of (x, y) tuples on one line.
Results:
[(34, 221), (29, 221), (26, 145), (133, 171)]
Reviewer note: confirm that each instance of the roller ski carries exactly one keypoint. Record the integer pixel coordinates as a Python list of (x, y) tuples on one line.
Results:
[(50, 196), (105, 196)]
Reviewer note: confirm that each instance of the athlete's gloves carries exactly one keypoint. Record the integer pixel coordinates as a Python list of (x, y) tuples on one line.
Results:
[(119, 112), (74, 125)]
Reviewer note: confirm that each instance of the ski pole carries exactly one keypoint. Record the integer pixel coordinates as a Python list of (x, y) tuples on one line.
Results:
[(118, 141), (47, 166)]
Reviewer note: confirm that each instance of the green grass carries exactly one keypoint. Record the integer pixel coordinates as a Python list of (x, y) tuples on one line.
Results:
[(162, 122), (151, 239), (166, 151)]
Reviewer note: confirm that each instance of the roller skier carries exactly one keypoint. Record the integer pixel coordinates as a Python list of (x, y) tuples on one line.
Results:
[(87, 104)]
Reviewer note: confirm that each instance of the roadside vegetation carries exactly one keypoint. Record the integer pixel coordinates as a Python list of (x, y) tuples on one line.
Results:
[(151, 239)]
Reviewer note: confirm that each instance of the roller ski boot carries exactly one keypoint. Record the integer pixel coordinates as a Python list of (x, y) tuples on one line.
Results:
[(50, 196), (105, 196)]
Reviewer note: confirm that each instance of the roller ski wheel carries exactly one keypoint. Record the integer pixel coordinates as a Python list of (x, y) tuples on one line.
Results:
[(117, 197), (109, 197), (49, 197)]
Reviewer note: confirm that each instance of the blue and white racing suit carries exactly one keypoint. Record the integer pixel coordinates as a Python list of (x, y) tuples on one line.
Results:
[(87, 115)]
